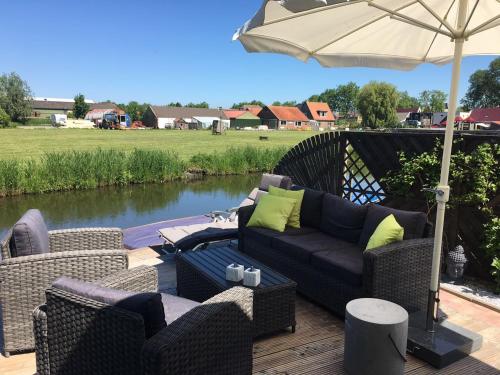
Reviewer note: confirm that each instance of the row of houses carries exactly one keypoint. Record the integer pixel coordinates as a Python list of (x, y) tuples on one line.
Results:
[(45, 107), (310, 115)]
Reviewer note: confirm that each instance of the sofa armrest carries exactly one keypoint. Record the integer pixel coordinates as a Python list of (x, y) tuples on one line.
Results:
[(213, 338), (138, 279), (41, 340), (244, 214), (399, 272), (85, 239)]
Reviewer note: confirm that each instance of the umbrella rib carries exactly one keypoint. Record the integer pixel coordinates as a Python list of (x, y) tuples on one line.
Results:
[(345, 35), (484, 26), (435, 35), (411, 21), (436, 16), (470, 15)]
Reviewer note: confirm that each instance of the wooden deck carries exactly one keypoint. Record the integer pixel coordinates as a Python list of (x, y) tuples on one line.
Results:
[(317, 346)]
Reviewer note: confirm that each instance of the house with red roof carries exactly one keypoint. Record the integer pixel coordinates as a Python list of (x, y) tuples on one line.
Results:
[(319, 114), (280, 117), (239, 118), (490, 117)]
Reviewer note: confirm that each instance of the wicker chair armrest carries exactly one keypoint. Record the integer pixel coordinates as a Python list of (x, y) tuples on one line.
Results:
[(139, 279), (213, 338), (399, 272), (41, 340), (244, 214), (85, 239)]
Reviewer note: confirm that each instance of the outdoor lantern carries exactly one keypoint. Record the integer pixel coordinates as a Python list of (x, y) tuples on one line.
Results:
[(455, 263)]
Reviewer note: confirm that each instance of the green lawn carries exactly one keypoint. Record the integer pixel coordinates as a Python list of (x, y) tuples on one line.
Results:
[(22, 143)]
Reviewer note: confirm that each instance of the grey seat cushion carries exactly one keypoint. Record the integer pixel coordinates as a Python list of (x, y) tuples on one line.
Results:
[(29, 235), (312, 203), (345, 262), (148, 305), (301, 248), (414, 223), (265, 236), (342, 218), (276, 180), (174, 307)]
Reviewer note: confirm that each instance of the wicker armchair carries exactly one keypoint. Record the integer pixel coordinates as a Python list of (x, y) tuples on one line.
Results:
[(87, 254), (76, 335)]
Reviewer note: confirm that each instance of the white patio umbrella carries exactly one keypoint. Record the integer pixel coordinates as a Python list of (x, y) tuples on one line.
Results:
[(394, 34)]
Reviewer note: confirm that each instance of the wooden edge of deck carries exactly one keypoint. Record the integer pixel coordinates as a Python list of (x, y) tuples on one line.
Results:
[(470, 298)]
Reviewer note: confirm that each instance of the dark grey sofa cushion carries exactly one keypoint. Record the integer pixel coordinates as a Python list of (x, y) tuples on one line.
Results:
[(414, 223), (174, 307), (266, 236), (148, 305), (276, 180), (343, 262), (301, 247), (342, 218), (30, 235), (312, 203)]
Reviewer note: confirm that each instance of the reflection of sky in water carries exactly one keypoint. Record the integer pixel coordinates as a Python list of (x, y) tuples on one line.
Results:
[(131, 205)]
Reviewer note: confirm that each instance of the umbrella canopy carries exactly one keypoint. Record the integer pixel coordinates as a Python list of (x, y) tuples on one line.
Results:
[(395, 34)]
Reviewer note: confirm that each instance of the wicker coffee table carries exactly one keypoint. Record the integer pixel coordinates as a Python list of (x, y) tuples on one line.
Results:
[(202, 274)]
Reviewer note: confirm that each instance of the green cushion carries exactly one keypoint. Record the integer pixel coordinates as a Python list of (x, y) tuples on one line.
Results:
[(388, 231), (298, 195), (272, 212)]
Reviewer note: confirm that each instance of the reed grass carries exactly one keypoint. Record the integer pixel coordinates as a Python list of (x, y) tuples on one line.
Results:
[(75, 170)]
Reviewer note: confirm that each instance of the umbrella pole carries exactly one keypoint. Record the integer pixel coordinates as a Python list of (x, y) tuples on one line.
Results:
[(443, 190)]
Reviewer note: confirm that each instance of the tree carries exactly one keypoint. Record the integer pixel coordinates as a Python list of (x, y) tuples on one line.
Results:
[(80, 107), (4, 119), (288, 103), (134, 109), (407, 101), (15, 97), (315, 98), (432, 100), (342, 99), (484, 87), (176, 104), (197, 105), (253, 102), (377, 103)]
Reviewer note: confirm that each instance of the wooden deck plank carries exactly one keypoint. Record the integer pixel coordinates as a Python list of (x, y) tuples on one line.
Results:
[(317, 347)]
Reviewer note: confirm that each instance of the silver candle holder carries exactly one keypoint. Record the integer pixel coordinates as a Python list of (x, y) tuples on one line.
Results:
[(234, 272), (251, 277)]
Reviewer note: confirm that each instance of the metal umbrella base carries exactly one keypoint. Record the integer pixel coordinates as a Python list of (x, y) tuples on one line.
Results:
[(447, 343)]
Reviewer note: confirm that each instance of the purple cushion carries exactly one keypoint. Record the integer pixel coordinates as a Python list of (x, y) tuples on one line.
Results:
[(174, 307), (414, 223), (342, 218), (29, 235), (312, 203), (148, 305)]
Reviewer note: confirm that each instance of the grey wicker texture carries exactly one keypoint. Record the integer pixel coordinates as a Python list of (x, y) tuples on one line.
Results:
[(23, 280), (199, 276), (76, 335), (399, 272)]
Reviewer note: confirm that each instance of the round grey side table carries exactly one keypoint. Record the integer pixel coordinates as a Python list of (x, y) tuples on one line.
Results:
[(375, 337)]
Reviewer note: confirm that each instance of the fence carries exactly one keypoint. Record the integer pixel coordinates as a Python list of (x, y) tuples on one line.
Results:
[(352, 165)]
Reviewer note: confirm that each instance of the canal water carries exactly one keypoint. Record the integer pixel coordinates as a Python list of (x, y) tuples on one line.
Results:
[(129, 206)]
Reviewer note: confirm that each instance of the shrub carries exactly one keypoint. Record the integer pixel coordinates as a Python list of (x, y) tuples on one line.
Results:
[(4, 119)]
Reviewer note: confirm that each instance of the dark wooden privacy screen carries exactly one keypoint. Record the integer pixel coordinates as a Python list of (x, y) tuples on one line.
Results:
[(351, 164)]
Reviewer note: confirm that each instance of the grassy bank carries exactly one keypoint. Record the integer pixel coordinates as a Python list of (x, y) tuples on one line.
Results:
[(72, 170), (34, 143)]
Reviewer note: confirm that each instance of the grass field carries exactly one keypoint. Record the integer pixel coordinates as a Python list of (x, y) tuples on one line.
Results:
[(26, 143)]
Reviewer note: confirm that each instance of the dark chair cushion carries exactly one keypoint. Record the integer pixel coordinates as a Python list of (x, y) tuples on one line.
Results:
[(310, 212), (30, 235), (342, 218), (302, 247), (265, 236), (343, 262), (148, 305), (174, 307), (414, 223)]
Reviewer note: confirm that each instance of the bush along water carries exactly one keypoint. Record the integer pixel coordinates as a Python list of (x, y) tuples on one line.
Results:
[(75, 170)]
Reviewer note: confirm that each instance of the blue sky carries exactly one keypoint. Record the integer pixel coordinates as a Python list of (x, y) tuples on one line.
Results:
[(159, 51)]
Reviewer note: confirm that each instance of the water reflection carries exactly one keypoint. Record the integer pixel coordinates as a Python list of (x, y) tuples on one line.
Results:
[(130, 205)]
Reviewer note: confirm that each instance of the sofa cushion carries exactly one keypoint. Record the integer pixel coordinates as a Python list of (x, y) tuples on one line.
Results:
[(412, 222), (310, 212), (148, 305), (342, 218), (30, 235), (174, 307), (343, 262), (302, 247), (265, 236), (275, 180), (272, 212), (298, 195)]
